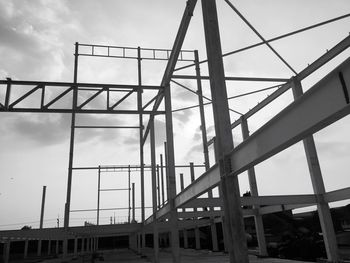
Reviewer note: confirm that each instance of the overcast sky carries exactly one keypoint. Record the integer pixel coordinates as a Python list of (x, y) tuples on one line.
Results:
[(37, 43)]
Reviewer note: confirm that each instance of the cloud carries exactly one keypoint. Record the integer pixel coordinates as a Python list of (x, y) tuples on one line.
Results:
[(195, 150), (183, 116)]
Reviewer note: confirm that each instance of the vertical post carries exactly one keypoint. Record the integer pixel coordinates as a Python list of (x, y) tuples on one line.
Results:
[(324, 213), (26, 243), (259, 226), (133, 203), (205, 144), (98, 195), (166, 170), (129, 189), (139, 106), (57, 247), (154, 194), (158, 186), (71, 150), (196, 229), (82, 245), (175, 244), (237, 246), (42, 207), (49, 247), (185, 235), (8, 93), (39, 248), (76, 246), (162, 177), (6, 253)]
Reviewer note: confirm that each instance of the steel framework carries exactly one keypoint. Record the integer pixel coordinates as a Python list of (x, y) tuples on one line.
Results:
[(323, 104)]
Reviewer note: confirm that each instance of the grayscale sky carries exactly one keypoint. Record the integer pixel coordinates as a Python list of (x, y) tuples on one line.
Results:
[(37, 43)]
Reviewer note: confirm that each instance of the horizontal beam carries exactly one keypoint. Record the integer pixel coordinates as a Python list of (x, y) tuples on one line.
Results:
[(233, 78), (337, 195)]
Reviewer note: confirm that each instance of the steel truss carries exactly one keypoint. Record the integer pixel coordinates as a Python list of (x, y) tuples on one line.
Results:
[(298, 121)]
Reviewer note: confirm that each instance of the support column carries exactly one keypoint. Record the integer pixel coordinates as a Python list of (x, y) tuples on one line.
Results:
[(162, 177), (139, 106), (133, 203), (185, 235), (6, 253), (98, 195), (237, 245), (25, 248), (323, 210), (42, 207), (82, 245), (175, 244), (129, 193), (39, 247), (158, 186), (57, 247), (49, 247), (259, 226), (71, 151), (154, 194), (196, 229), (75, 246)]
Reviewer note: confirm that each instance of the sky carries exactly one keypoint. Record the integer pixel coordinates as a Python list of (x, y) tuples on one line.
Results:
[(37, 43)]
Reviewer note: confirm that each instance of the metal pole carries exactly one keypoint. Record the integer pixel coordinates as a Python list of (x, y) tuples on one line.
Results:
[(205, 144), (196, 229), (184, 210), (182, 187), (133, 202), (237, 246), (129, 189), (166, 170), (139, 105), (26, 243), (42, 207), (162, 177), (175, 244), (98, 195), (259, 226), (71, 150), (324, 214), (154, 194), (158, 186)]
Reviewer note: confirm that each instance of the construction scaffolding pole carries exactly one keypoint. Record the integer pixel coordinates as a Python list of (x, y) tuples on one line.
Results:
[(237, 245), (98, 195), (42, 207)]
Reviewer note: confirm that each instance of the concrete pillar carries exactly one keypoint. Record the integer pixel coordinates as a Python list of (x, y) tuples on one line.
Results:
[(75, 246), (138, 243), (57, 247), (25, 248), (259, 226), (82, 244), (88, 244), (49, 247), (185, 238), (6, 253), (197, 237), (324, 213), (39, 247), (237, 245)]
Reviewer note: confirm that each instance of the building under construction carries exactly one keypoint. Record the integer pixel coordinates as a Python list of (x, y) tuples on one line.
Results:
[(210, 204)]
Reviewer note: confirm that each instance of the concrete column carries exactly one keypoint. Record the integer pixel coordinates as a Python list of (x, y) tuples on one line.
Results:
[(75, 246), (185, 238), (259, 226), (197, 237), (6, 253), (138, 243), (25, 248), (324, 213), (237, 245), (57, 247), (97, 243), (82, 245), (49, 247), (39, 248)]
